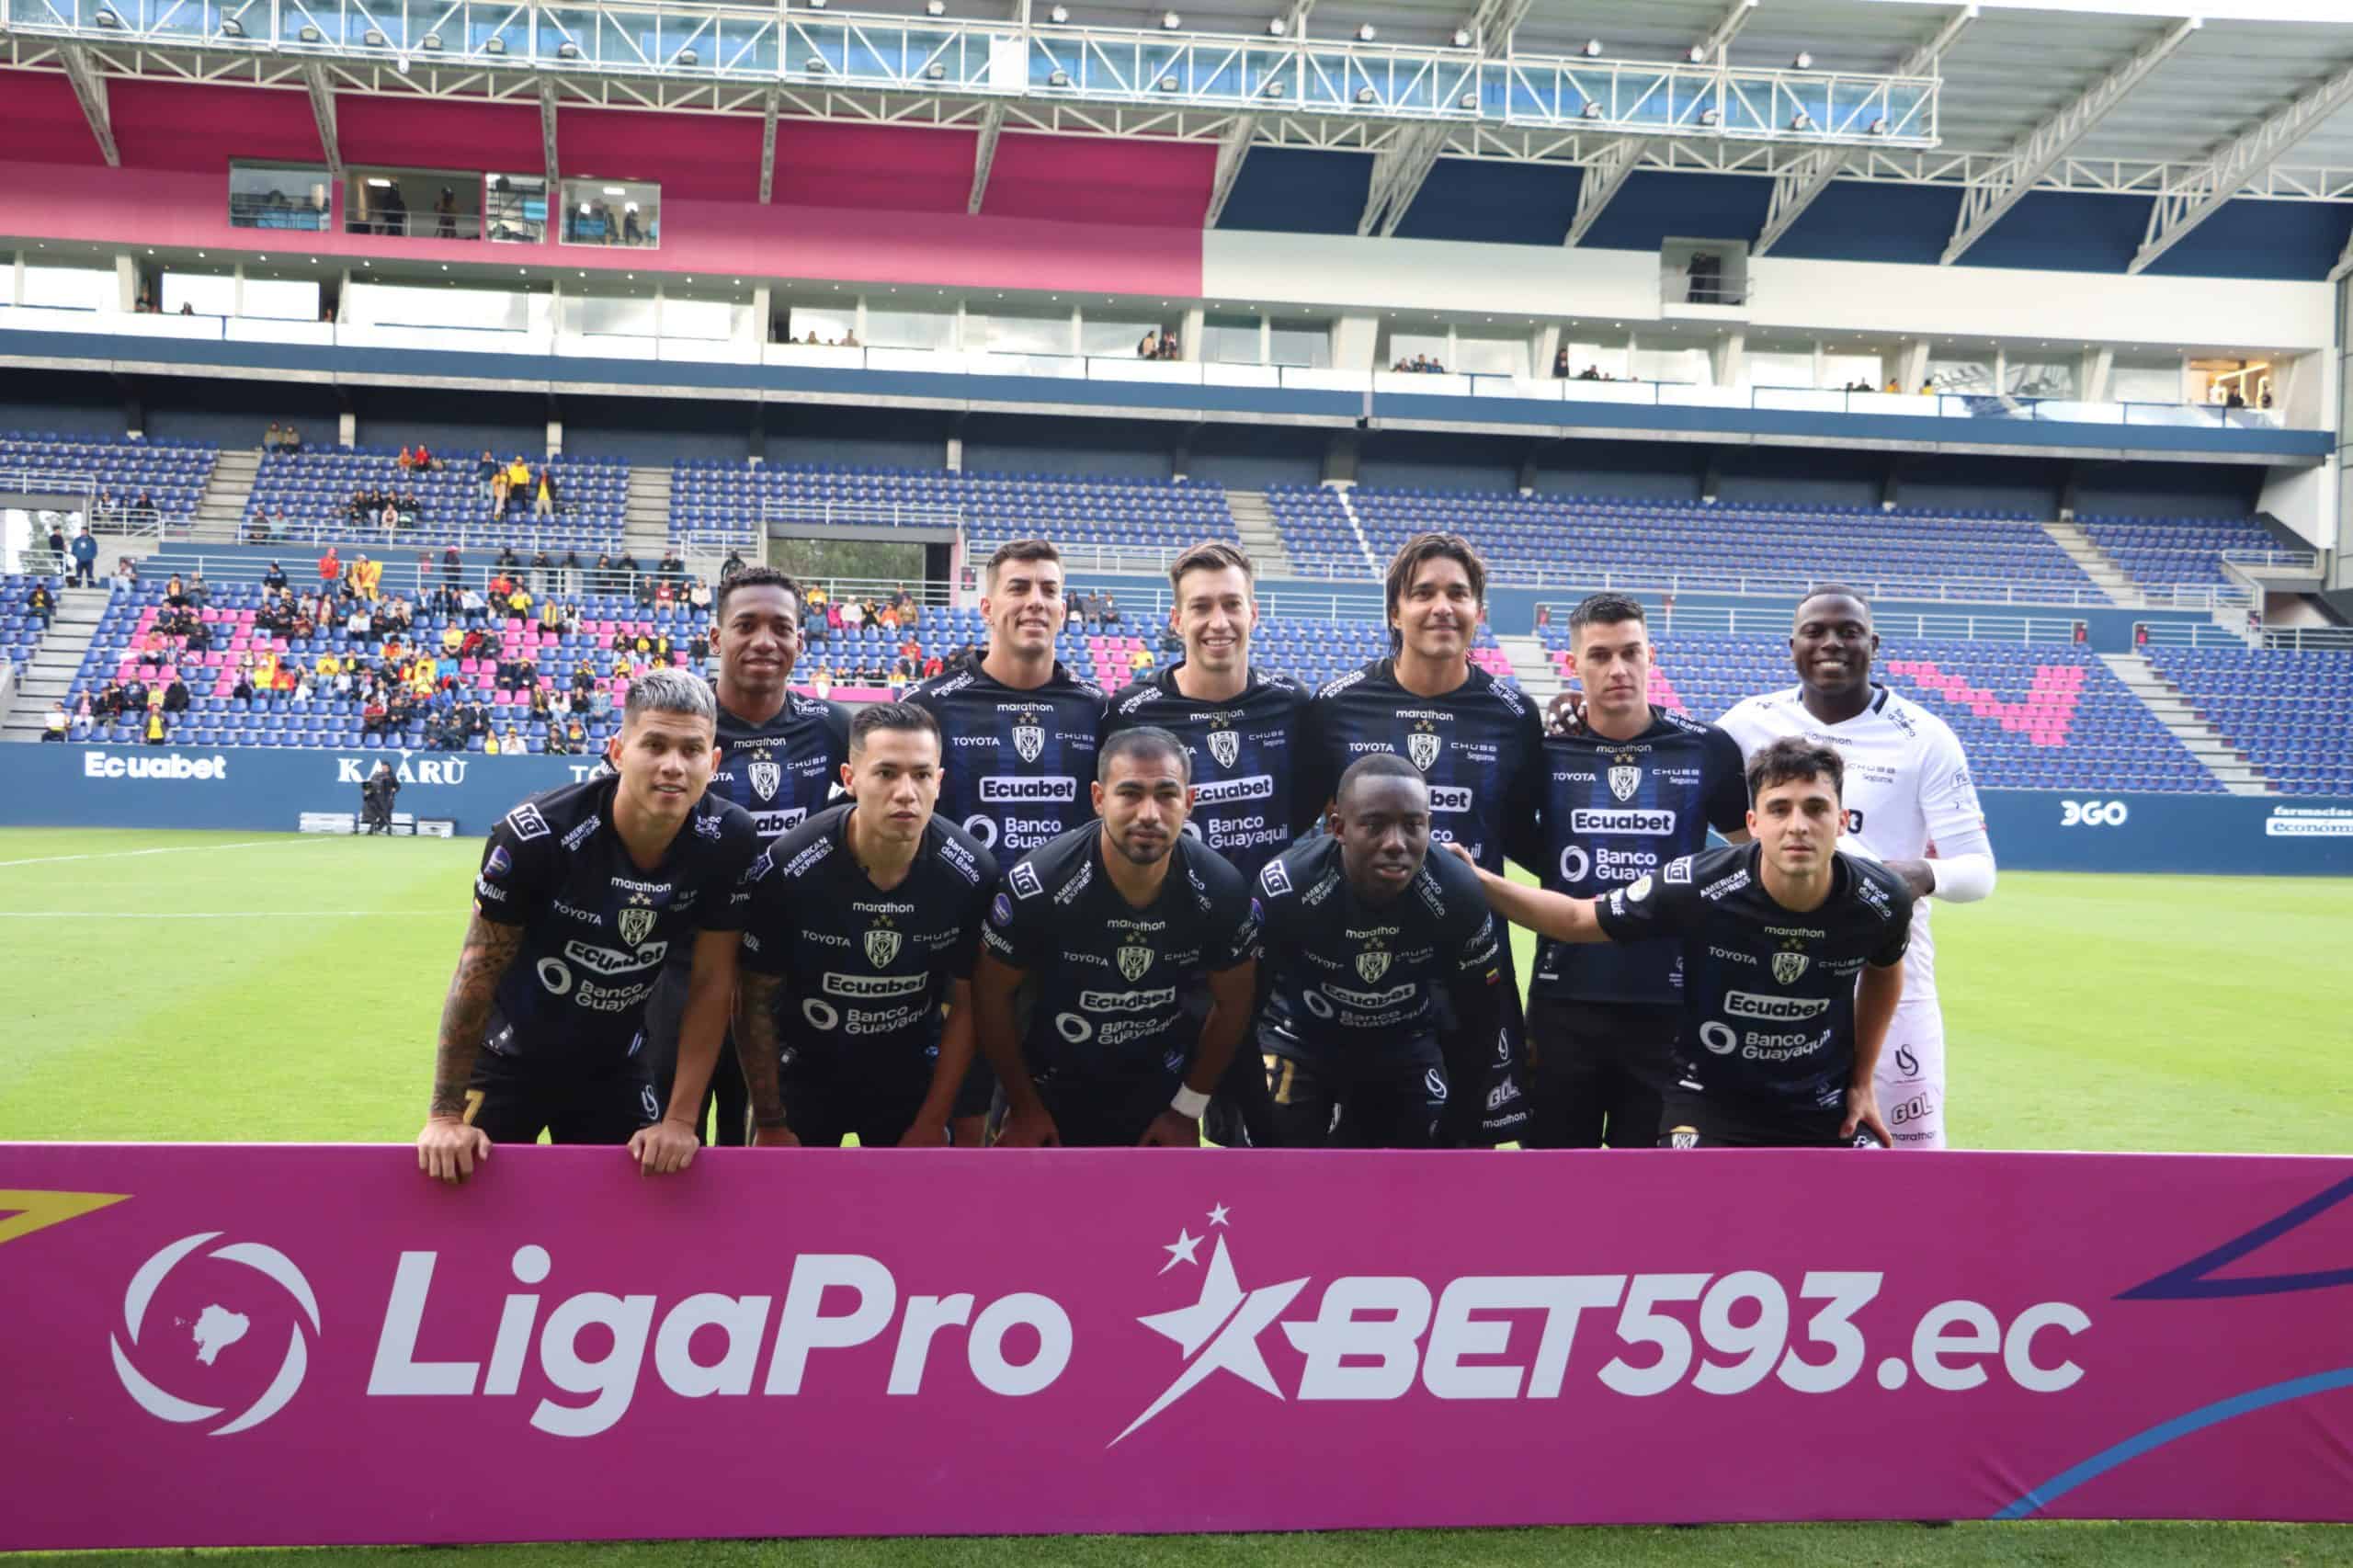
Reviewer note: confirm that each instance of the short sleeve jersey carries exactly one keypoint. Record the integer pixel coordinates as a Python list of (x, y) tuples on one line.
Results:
[(1768, 994), (596, 927), (1478, 745), (1352, 981), (864, 971), (1018, 763), (1907, 786), (782, 770), (1244, 754), (1617, 810), (1112, 980)]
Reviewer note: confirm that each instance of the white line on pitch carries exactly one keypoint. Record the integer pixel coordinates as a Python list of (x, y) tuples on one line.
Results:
[(213, 913), (174, 849)]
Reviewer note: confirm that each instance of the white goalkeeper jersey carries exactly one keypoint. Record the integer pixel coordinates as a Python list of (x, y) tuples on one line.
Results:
[(1908, 787)]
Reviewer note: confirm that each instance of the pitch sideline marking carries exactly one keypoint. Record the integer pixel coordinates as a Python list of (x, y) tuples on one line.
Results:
[(175, 849), (210, 915)]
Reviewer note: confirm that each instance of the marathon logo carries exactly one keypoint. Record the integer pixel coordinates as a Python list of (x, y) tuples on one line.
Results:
[(870, 988), (1256, 787), (1126, 1001), (1632, 820), (1773, 1009), (1000, 789), (607, 961), (97, 765)]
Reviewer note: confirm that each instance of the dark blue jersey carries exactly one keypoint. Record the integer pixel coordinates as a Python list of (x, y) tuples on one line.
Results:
[(865, 971), (1478, 745), (596, 927), (1244, 753), (1015, 764), (783, 770), (1111, 981), (1617, 810), (1768, 992), (1355, 980)]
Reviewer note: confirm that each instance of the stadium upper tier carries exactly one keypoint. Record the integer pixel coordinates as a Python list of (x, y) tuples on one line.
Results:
[(171, 474), (2161, 551), (1896, 553), (2291, 713), (710, 496), (2029, 717), (313, 492)]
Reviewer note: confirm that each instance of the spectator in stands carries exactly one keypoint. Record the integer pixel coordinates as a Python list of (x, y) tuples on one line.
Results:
[(518, 484), (1561, 364), (934, 666), (822, 684), (540, 570), (445, 214), (672, 567), (330, 566), (1150, 348), (543, 494), (371, 715), (199, 596), (518, 605), (200, 634), (1140, 660), (568, 573), (365, 578), (176, 694), (1110, 609), (57, 549), (512, 745), (40, 603), (86, 559), (126, 572), (499, 486), (406, 461), (626, 570), (155, 730), (273, 438), (56, 725), (732, 564), (485, 471)]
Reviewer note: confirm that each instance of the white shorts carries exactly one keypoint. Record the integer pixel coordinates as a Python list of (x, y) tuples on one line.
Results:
[(1911, 1075)]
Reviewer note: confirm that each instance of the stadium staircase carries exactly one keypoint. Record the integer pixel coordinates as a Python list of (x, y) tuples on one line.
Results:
[(1538, 675), (2097, 564), (220, 509), (646, 517), (49, 674), (1356, 525), (2206, 743), (1255, 519)]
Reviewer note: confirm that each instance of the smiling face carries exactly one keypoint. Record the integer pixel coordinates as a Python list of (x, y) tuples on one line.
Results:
[(665, 761), (758, 640), (1383, 823), (1833, 644), (1437, 612), (1214, 615), (1023, 607)]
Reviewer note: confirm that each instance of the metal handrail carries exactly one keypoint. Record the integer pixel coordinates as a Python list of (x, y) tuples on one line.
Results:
[(847, 515)]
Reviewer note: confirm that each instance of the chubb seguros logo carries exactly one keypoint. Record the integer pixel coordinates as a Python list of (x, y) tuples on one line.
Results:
[(215, 1328)]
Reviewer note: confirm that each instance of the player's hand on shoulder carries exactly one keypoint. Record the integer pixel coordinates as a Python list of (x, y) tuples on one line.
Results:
[(1919, 879), (1171, 1130), (447, 1150), (1566, 715), (1862, 1114), (1461, 854), (664, 1148), (1030, 1129)]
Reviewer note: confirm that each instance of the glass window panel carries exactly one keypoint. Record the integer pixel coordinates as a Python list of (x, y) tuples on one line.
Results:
[(277, 196), (1302, 342), (70, 287), (611, 212), (910, 329)]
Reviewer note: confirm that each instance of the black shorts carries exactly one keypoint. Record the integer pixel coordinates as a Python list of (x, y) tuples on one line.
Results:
[(1396, 1102), (1702, 1121), (1104, 1112), (1599, 1072), (515, 1099)]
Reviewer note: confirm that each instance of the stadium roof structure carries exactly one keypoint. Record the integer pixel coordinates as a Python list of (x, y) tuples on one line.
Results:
[(2104, 137)]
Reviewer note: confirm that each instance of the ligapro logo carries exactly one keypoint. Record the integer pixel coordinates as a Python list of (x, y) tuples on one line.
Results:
[(216, 1328)]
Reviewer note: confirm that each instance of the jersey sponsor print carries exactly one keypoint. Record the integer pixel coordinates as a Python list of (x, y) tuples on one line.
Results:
[(782, 770), (1017, 764), (1245, 752)]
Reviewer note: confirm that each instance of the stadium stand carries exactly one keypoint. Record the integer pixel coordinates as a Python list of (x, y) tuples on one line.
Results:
[(2162, 551), (1651, 541), (170, 474), (2290, 713), (313, 488), (20, 630), (1089, 511), (2030, 716)]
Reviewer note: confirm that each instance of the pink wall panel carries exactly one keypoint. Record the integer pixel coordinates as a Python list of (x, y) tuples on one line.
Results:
[(40, 122), (187, 125), (874, 167), (708, 156), (490, 138), (1150, 184)]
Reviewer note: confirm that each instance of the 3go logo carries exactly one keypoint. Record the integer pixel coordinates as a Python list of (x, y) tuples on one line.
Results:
[(2093, 814)]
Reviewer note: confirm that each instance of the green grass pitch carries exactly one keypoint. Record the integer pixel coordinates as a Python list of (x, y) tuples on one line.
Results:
[(246, 986)]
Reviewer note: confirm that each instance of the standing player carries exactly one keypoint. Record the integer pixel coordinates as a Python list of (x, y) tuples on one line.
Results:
[(866, 925), (1907, 789), (1363, 929), (1114, 923), (1021, 737), (591, 885), (1793, 964), (1625, 792), (1240, 729), (780, 754), (1477, 741)]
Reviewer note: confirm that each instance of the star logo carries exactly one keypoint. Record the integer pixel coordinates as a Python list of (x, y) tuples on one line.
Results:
[(1219, 1333)]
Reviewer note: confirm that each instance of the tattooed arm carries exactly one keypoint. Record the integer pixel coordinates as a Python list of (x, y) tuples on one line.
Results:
[(449, 1148), (756, 1049)]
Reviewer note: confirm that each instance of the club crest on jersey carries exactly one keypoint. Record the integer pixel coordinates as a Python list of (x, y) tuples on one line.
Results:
[(1133, 961), (765, 776), (882, 947), (1787, 966), (636, 924), (1372, 963), (1028, 740), (1624, 781), (1224, 745), (1422, 746)]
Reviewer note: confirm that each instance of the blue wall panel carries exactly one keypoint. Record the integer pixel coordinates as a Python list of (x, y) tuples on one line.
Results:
[(1860, 220), (1469, 199), (1654, 206), (2250, 238), (1298, 191), (2215, 490), (2060, 231), (257, 790)]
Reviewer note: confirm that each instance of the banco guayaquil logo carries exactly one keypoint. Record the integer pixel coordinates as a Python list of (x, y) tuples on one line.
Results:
[(217, 1328)]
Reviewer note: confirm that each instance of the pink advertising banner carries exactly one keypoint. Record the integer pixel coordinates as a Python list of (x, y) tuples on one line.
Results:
[(208, 1345)]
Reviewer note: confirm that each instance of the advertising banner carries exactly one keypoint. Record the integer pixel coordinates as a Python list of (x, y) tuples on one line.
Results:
[(260, 1345)]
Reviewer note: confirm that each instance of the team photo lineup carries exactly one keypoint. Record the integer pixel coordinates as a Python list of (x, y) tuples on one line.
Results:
[(1006, 909)]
